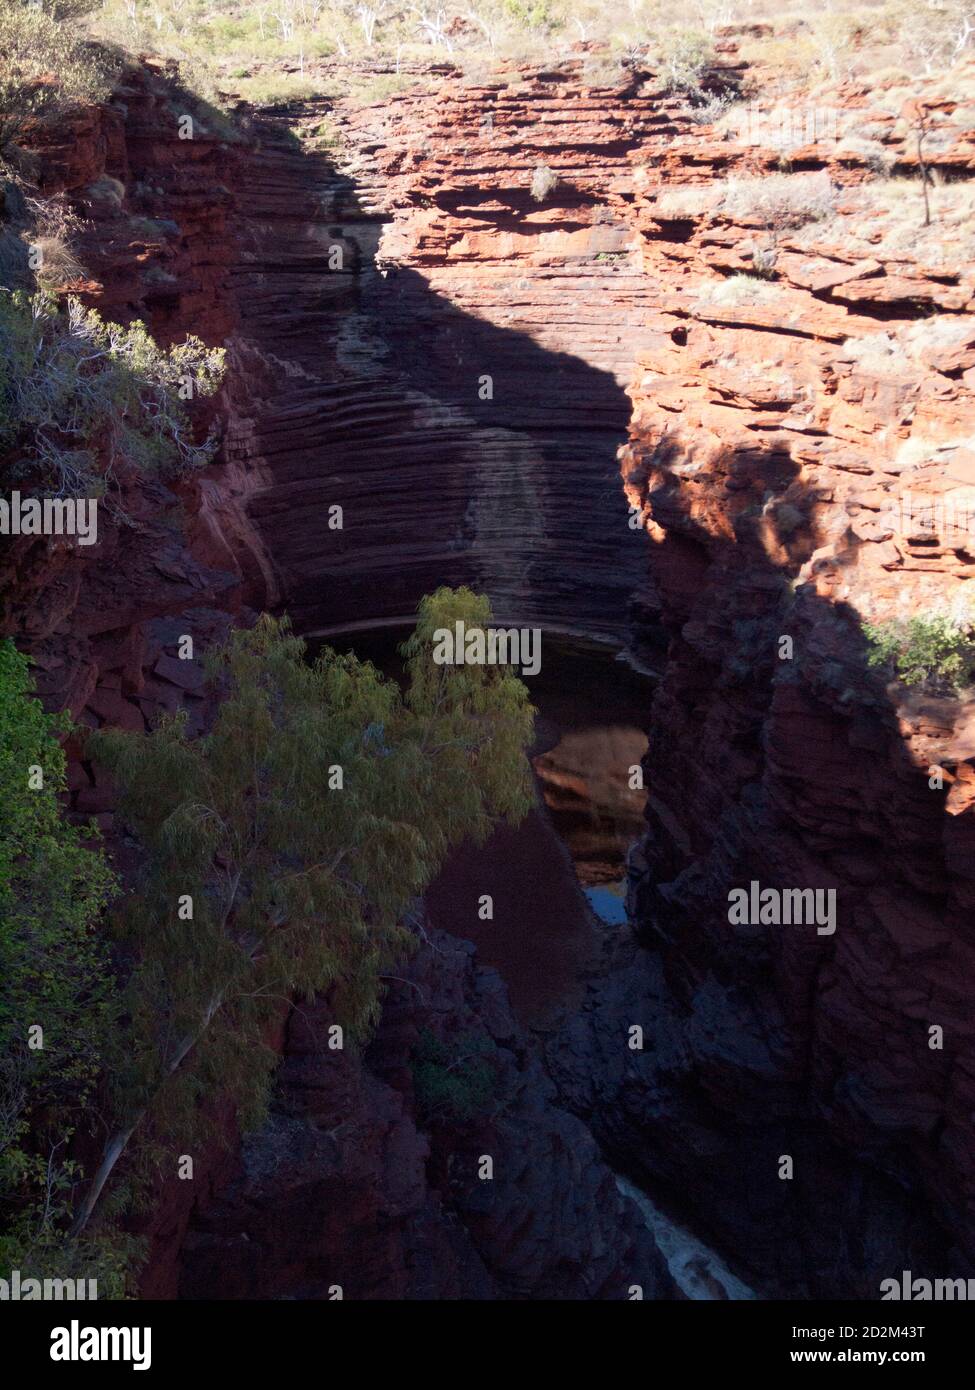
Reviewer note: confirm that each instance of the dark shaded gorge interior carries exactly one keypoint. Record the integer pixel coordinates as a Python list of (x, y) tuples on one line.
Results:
[(365, 391), (365, 395), (547, 920), (371, 398), (367, 398)]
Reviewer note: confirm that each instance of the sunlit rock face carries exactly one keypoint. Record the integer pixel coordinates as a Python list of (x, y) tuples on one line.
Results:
[(584, 781), (173, 557)]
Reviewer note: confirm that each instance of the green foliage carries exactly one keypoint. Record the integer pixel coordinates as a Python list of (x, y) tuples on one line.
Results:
[(531, 15), (54, 884), (44, 66), (685, 57), (936, 653), (453, 1085), (477, 722), (78, 395), (276, 88), (301, 829), (37, 1193)]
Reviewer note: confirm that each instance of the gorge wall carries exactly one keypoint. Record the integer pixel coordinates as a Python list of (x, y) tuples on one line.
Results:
[(801, 449), (801, 453), (787, 479), (349, 1184), (102, 622), (451, 356)]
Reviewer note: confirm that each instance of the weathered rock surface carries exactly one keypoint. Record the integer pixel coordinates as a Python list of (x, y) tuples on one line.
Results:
[(450, 356), (103, 623), (346, 1187), (796, 486)]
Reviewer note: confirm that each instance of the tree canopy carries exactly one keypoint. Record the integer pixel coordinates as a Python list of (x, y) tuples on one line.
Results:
[(56, 1001), (284, 850)]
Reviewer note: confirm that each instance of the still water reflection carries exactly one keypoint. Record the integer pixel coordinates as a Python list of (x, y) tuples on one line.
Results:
[(557, 880), (592, 711)]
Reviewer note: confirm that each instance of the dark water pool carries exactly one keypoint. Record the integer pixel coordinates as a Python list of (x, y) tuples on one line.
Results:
[(557, 880)]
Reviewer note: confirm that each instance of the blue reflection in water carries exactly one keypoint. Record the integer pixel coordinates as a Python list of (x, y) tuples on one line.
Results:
[(608, 901)]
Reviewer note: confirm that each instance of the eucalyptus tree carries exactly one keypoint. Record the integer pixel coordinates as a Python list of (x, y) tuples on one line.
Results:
[(284, 848)]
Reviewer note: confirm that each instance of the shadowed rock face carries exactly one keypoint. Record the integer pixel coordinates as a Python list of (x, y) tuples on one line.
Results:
[(767, 454), (771, 460), (346, 1186), (452, 378)]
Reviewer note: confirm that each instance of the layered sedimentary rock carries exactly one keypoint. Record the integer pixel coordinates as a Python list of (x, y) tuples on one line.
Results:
[(103, 623), (801, 456), (798, 481), (397, 1202), (416, 340), (450, 355)]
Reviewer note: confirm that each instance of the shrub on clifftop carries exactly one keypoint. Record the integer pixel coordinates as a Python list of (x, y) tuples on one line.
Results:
[(44, 66), (934, 653), (79, 396)]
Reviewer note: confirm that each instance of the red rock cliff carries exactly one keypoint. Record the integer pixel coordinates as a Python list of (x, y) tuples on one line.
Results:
[(800, 449), (417, 340)]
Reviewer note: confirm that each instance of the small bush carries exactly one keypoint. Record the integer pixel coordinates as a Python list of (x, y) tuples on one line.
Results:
[(55, 263), (835, 39), (877, 352), (367, 89), (53, 216), (872, 153), (107, 190), (780, 201), (39, 235), (895, 209), (939, 333), (764, 260), (544, 181), (277, 88), (160, 278), (153, 228), (685, 59), (738, 289), (452, 1084), (45, 67), (886, 354), (710, 109), (683, 203), (78, 395), (936, 654)]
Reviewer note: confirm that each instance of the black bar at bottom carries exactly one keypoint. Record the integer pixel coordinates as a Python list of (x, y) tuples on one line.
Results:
[(451, 1340)]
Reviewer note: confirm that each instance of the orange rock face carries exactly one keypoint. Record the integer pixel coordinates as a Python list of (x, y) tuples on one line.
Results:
[(156, 245), (800, 419)]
